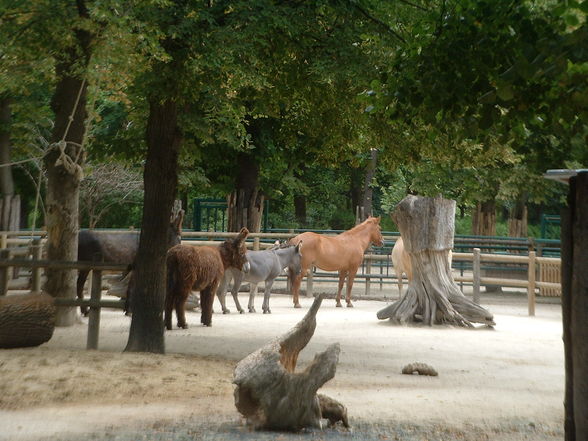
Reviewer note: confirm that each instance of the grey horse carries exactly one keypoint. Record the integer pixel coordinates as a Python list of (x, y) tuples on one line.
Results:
[(265, 266)]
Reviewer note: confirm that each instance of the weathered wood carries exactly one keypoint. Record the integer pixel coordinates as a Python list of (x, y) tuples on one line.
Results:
[(476, 274), (26, 320), (531, 286), (310, 282), (4, 272), (368, 272), (575, 262), (37, 252), (94, 314), (567, 259), (427, 226), (270, 395), (54, 264)]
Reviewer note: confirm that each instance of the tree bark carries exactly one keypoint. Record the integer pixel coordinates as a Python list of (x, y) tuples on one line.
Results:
[(300, 209), (246, 202), (164, 139), (355, 191), (270, 394), (427, 228), (26, 320), (484, 218), (575, 308), (300, 198), (517, 220), (368, 192), (10, 203), (63, 163)]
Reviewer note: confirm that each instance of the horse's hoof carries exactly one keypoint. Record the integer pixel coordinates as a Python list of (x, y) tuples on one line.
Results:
[(226, 311), (241, 311), (267, 311), (252, 310), (208, 326), (349, 305), (182, 326), (297, 305), (338, 305)]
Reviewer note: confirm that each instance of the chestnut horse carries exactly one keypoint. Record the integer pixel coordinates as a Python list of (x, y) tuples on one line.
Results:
[(402, 264), (342, 253)]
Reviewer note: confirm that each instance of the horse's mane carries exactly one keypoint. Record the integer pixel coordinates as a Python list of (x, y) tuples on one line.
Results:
[(358, 227)]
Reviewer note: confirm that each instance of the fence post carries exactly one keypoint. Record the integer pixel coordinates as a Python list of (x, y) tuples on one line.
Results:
[(368, 271), (4, 241), (36, 252), (256, 244), (309, 281), (4, 271), (531, 287), (476, 270), (94, 315), (381, 265)]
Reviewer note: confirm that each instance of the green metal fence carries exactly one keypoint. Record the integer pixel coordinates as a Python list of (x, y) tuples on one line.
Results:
[(210, 214)]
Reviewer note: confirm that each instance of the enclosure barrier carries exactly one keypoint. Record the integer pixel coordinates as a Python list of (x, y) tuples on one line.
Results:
[(546, 268), (95, 302)]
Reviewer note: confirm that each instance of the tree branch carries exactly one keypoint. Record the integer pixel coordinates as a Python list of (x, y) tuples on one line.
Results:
[(414, 5), (379, 22)]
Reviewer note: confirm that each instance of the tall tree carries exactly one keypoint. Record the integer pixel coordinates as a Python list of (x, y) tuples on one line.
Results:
[(64, 157), (10, 202), (164, 88)]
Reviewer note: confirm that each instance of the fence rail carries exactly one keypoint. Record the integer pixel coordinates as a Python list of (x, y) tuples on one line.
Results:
[(541, 273)]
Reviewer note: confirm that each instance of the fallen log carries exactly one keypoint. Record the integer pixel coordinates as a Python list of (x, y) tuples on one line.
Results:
[(26, 320), (270, 395)]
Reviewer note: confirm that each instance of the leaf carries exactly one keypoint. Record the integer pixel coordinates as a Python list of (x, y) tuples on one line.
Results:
[(505, 92), (571, 19)]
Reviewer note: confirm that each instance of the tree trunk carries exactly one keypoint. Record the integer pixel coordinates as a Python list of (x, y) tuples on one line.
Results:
[(164, 139), (427, 228), (355, 191), (300, 209), (367, 199), (10, 203), (300, 198), (63, 163), (245, 203), (270, 394), (26, 320), (484, 218), (574, 239), (517, 220)]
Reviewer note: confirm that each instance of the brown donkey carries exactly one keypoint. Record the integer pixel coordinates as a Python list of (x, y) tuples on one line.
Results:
[(200, 268)]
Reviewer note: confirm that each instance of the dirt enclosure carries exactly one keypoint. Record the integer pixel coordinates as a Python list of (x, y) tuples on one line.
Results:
[(494, 384)]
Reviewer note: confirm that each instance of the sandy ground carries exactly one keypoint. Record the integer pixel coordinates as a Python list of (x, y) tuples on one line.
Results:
[(494, 384)]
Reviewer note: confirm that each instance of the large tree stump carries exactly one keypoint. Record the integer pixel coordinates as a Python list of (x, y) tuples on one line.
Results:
[(26, 320), (427, 226), (270, 394)]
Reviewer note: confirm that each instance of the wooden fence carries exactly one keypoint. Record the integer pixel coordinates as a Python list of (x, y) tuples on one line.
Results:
[(95, 302), (543, 273)]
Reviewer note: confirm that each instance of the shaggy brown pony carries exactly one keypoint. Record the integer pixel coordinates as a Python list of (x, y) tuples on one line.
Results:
[(200, 268)]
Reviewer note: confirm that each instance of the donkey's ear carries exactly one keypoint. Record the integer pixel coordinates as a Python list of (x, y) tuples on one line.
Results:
[(242, 234), (178, 220)]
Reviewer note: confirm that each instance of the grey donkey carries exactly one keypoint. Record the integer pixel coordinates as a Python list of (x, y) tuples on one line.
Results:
[(265, 266)]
